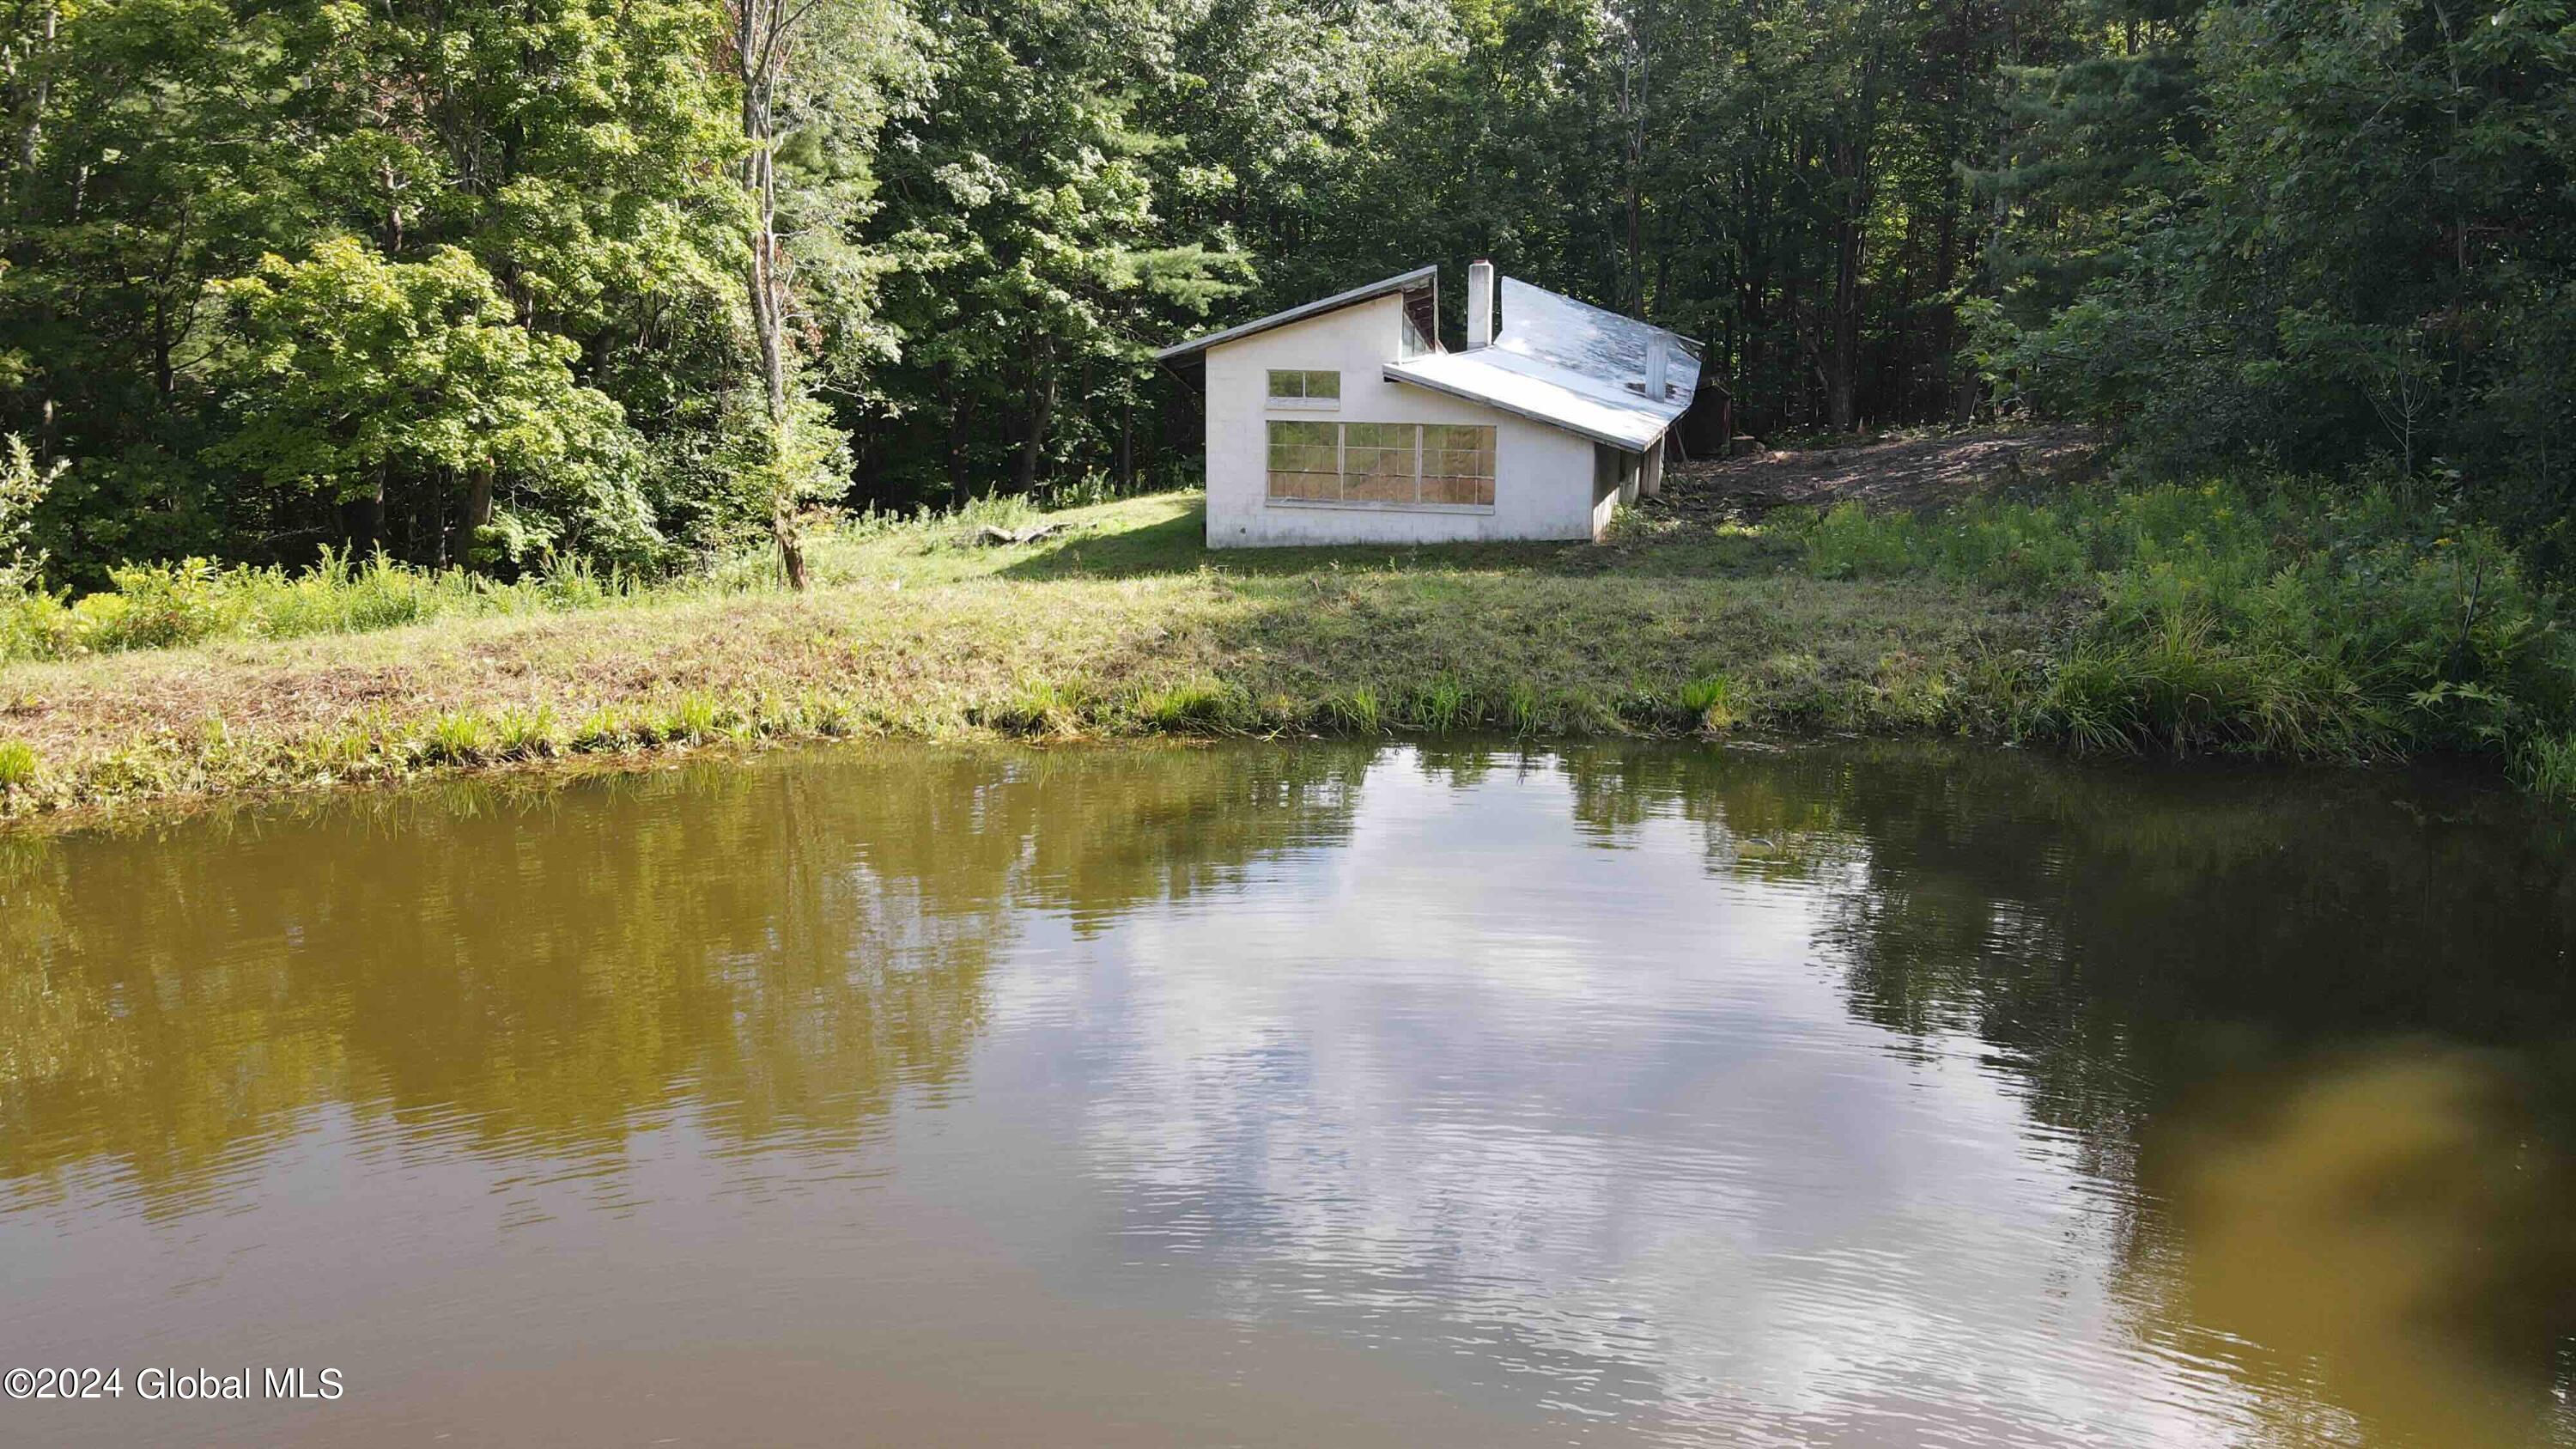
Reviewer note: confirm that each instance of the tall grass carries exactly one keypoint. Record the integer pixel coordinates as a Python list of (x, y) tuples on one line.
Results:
[(153, 606), (2283, 620), (2546, 766), (17, 766), (158, 605), (1716, 701)]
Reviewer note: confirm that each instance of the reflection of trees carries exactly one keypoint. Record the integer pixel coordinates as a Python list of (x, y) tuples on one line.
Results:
[(2220, 987), (2104, 930), (2377, 1227), (784, 947)]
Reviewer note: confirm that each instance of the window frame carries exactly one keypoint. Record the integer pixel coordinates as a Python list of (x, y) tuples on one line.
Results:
[(1418, 334), (1376, 454), (1304, 399)]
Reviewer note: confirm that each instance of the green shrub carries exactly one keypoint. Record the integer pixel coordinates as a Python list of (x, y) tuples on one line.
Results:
[(1847, 541), (158, 605), (17, 765), (152, 606), (23, 486), (337, 597), (2287, 621), (32, 626)]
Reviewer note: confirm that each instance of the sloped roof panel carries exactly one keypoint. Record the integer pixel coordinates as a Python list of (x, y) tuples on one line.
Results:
[(1400, 282), (1566, 364), (1591, 341)]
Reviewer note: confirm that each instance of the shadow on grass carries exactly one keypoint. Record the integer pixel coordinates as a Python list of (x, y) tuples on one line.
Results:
[(1177, 545)]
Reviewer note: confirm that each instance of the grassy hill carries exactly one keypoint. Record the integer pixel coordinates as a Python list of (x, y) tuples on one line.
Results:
[(1120, 623), (2265, 620)]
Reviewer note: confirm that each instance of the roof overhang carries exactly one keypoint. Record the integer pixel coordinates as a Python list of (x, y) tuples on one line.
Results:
[(1401, 282), (1526, 389)]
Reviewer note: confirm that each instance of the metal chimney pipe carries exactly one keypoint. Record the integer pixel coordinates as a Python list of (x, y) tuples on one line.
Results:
[(1480, 305), (1659, 354)]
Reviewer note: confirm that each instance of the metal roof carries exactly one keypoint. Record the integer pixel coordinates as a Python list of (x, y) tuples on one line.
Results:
[(1401, 282), (1567, 364)]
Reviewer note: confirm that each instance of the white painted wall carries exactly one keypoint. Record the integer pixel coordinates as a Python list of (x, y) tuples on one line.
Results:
[(1542, 475)]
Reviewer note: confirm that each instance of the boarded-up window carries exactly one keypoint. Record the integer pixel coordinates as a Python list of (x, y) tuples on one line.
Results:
[(1457, 464), (1377, 463), (1384, 465), (1305, 461)]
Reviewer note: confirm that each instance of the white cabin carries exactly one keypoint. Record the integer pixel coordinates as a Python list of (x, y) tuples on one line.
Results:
[(1345, 420)]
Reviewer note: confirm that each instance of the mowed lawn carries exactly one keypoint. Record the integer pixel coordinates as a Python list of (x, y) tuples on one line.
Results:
[(1119, 623)]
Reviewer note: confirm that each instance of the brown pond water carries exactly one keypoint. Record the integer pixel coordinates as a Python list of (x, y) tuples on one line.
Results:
[(1305, 1096)]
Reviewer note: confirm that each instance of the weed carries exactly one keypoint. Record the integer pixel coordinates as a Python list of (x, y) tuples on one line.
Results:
[(2546, 766), (2267, 621), (603, 729), (458, 737), (1193, 705), (1441, 706), (694, 718), (826, 715), (521, 734), (1041, 707), (1716, 702), (1355, 712)]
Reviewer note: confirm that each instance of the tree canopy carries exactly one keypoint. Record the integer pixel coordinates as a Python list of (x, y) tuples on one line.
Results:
[(498, 282)]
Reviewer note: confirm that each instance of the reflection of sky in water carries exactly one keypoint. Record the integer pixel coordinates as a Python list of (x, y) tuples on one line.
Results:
[(1300, 1097), (1605, 1122)]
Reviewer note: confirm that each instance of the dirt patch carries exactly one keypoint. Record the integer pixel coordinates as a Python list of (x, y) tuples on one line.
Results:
[(1897, 473)]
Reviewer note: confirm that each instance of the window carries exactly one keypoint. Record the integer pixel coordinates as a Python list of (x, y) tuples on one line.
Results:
[(1377, 463), (1421, 326), (1382, 465), (1291, 389), (1457, 464), (1305, 461)]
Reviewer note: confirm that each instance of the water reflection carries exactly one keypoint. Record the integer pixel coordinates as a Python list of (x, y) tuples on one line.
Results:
[(546, 974), (2383, 1228), (1823, 1097)]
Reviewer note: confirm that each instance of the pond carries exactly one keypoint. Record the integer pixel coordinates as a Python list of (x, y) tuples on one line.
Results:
[(1304, 1095)]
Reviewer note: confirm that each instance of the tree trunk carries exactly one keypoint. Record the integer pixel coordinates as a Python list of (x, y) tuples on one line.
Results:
[(31, 127), (789, 535), (362, 520), (1848, 158), (1033, 447), (961, 433), (477, 514), (760, 40), (1127, 443)]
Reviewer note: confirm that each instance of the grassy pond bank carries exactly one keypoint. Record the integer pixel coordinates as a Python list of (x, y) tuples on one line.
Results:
[(2270, 621)]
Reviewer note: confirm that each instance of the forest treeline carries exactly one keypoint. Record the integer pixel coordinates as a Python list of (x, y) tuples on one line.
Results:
[(630, 281)]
